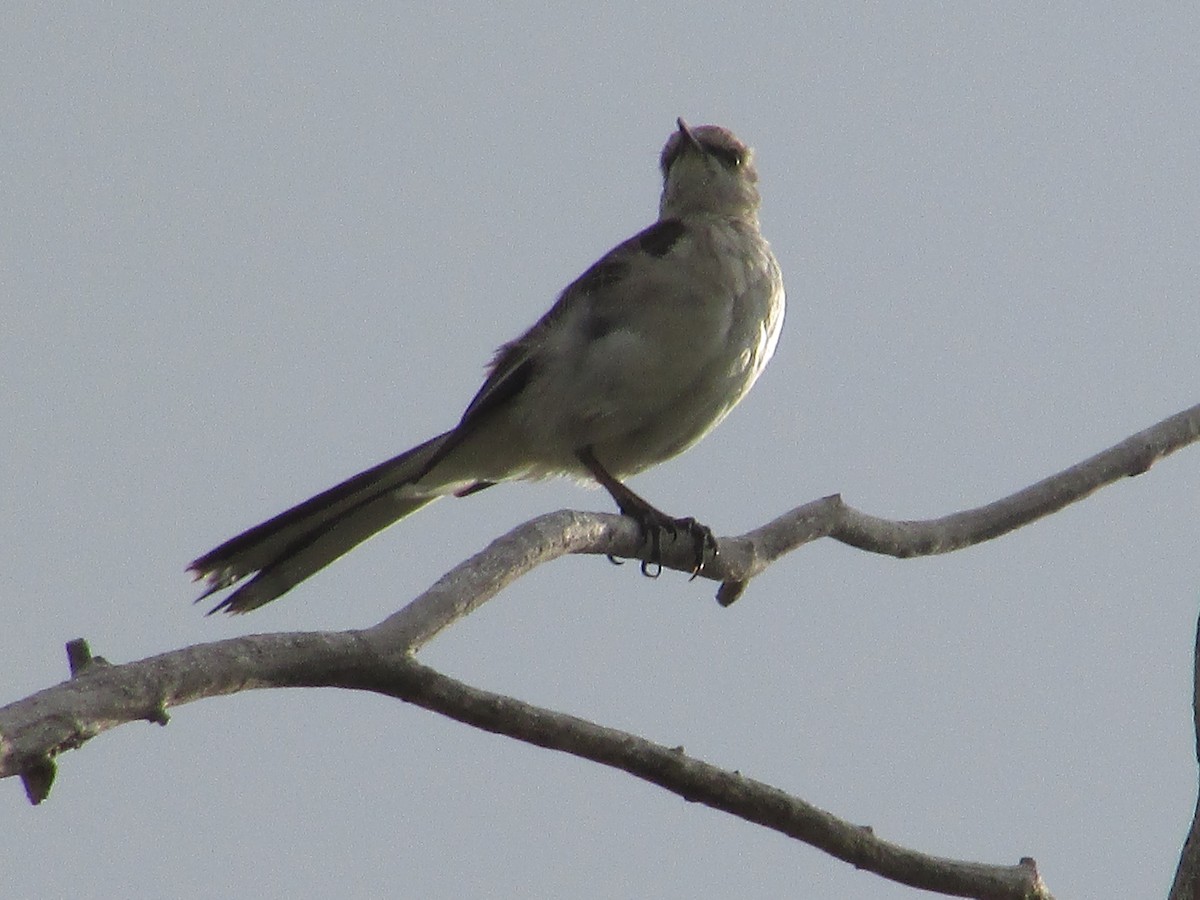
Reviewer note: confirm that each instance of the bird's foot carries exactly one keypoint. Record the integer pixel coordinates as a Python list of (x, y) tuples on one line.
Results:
[(653, 524)]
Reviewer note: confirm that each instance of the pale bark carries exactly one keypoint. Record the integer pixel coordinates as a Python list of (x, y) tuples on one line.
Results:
[(99, 696)]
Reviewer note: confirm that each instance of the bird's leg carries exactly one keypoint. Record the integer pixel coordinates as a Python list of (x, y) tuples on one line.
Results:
[(651, 521)]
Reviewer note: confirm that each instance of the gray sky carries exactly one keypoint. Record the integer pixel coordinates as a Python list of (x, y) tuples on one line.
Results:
[(248, 252)]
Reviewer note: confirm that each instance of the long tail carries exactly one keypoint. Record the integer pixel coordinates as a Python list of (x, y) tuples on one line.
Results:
[(297, 543)]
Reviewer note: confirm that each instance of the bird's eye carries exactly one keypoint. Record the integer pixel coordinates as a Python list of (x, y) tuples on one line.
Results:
[(727, 156)]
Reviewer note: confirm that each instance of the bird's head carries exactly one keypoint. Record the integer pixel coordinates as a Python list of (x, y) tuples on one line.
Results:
[(707, 170)]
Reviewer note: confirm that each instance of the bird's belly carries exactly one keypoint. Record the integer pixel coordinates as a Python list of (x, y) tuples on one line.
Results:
[(644, 392), (637, 407)]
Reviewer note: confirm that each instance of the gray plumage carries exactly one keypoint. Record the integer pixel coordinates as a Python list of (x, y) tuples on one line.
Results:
[(639, 358)]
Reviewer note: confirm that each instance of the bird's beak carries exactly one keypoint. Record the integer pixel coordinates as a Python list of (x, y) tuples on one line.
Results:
[(687, 134)]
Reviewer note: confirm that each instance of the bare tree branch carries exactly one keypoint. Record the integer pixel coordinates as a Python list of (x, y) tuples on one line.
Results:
[(100, 696), (1187, 874), (830, 517)]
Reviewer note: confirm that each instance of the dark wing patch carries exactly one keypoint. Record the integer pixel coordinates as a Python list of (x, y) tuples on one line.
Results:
[(657, 241), (659, 238), (510, 373), (597, 325), (603, 274)]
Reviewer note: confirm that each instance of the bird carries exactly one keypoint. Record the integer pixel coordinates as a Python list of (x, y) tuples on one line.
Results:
[(637, 360)]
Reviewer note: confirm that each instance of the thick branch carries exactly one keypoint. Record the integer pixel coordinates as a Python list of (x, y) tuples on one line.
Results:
[(101, 696)]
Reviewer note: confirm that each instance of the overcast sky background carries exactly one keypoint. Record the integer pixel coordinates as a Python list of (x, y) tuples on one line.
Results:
[(249, 250)]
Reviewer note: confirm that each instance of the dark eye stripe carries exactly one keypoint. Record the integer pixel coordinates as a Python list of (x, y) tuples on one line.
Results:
[(728, 156)]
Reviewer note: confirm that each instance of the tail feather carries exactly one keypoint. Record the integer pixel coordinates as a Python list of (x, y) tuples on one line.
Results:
[(318, 549), (296, 543)]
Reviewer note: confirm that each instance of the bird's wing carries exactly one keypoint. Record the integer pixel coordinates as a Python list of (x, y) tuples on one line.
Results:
[(514, 362)]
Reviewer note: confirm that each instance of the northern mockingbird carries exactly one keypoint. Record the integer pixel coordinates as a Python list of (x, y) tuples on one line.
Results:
[(640, 357)]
